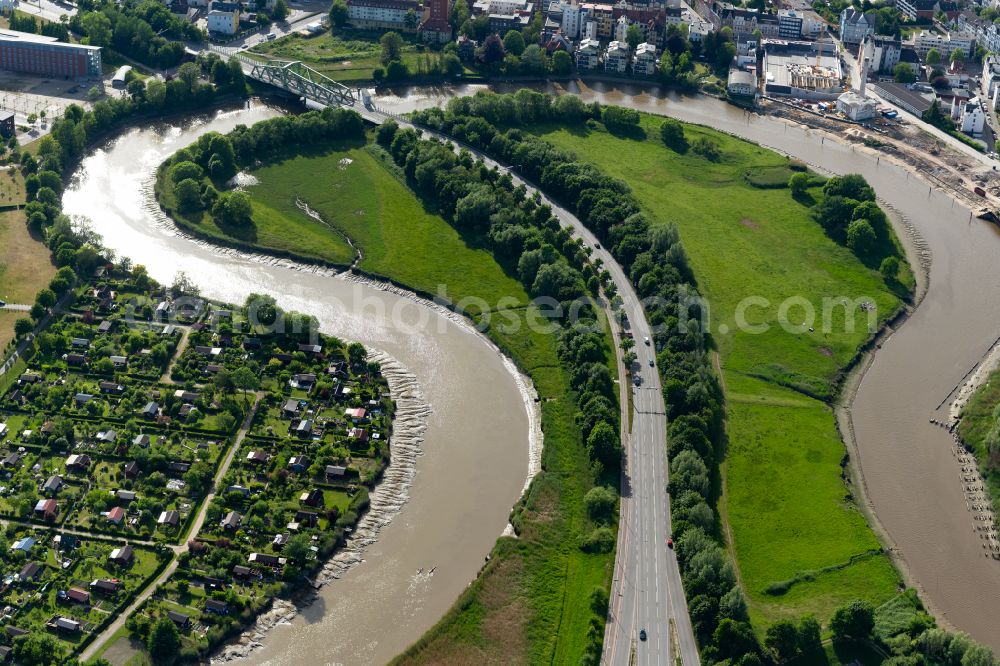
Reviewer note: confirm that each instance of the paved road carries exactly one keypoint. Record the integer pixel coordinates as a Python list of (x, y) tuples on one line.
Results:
[(855, 75), (647, 592), (50, 11)]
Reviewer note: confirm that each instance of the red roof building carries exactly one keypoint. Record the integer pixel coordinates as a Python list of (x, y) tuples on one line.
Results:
[(436, 27)]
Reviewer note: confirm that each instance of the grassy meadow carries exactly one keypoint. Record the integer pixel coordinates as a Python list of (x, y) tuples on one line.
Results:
[(25, 264), (977, 420), (348, 57), (532, 602), (801, 545)]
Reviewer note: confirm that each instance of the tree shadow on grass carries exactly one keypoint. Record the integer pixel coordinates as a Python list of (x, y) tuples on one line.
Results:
[(804, 198), (246, 233), (633, 132)]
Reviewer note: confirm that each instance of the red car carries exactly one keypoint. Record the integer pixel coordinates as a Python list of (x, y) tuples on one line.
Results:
[(670, 543)]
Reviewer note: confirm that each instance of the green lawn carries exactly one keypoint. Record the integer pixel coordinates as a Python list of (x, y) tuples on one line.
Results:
[(355, 192), (785, 496)]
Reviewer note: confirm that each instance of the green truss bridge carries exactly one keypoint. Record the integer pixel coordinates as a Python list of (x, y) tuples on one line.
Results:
[(301, 80)]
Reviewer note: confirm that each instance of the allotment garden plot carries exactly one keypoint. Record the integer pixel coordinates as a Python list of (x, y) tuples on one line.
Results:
[(118, 430)]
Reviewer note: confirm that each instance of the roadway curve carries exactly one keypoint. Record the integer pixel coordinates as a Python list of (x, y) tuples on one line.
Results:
[(646, 591)]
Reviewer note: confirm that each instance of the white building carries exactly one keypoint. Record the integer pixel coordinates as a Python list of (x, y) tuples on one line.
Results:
[(644, 62), (223, 22), (621, 28), (945, 44), (973, 116), (746, 53), (741, 83), (812, 25), (574, 18), (698, 30), (991, 78), (500, 6), (856, 107), (383, 14), (616, 57), (588, 54)]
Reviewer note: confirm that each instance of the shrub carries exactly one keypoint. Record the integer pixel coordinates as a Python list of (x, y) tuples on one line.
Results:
[(615, 117), (855, 620), (600, 502), (672, 134), (860, 236), (706, 148), (601, 540)]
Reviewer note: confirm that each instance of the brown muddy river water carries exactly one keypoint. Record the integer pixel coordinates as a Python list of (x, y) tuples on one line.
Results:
[(474, 460), (475, 450)]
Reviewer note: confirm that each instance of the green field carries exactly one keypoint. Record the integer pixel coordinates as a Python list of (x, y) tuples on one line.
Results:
[(349, 56), (977, 421), (358, 196), (532, 603), (789, 516)]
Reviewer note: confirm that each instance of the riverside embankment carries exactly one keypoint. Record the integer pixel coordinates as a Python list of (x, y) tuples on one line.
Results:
[(472, 464)]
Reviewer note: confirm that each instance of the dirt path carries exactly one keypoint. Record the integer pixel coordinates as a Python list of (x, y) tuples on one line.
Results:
[(181, 346)]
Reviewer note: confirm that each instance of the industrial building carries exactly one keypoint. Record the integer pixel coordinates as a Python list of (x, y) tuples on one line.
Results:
[(46, 56), (810, 70), (741, 83)]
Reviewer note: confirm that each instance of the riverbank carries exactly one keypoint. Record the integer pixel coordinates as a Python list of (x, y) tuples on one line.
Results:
[(472, 468), (748, 241), (385, 502), (392, 493)]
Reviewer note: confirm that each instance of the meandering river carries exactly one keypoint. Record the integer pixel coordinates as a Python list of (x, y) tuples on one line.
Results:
[(474, 462), (912, 476)]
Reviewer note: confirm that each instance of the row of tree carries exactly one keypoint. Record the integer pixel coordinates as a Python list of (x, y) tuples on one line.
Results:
[(27, 23), (524, 235), (195, 173), (656, 263)]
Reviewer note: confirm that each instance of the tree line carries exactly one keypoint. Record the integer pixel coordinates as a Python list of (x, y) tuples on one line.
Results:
[(656, 263), (196, 174), (524, 236), (27, 23), (146, 31), (75, 248)]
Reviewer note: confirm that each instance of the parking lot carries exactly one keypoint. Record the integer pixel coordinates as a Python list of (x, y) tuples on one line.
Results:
[(25, 95)]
